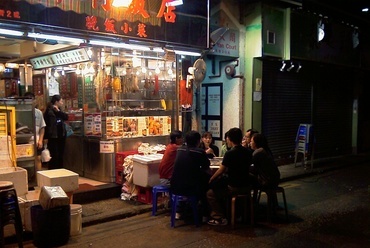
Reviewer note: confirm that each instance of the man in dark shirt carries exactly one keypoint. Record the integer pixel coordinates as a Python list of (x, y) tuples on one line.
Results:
[(191, 171), (236, 163)]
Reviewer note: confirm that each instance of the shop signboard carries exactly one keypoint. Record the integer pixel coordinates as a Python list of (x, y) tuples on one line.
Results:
[(60, 58), (150, 20), (227, 44), (106, 146)]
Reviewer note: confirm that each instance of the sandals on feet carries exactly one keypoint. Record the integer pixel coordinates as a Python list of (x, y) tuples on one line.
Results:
[(218, 222)]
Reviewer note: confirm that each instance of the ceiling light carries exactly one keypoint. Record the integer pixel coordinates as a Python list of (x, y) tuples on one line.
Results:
[(89, 52), (180, 52), (320, 31), (12, 65), (299, 68), (11, 32), (365, 9), (174, 3), (121, 3), (124, 45), (290, 67), (55, 37), (283, 66)]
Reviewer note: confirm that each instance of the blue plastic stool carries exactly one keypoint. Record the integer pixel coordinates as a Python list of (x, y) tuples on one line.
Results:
[(158, 189), (194, 203), (9, 212)]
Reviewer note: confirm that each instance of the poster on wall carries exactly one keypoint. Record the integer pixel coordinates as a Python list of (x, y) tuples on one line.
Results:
[(92, 125), (211, 109), (53, 86), (214, 100), (214, 127)]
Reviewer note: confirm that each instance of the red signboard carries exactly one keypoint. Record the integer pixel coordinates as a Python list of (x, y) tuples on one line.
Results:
[(145, 19)]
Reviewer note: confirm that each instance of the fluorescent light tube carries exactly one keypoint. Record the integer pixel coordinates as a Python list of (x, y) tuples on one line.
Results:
[(180, 52), (55, 37), (124, 45), (11, 32)]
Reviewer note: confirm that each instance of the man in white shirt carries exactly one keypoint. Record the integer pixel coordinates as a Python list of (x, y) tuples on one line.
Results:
[(40, 130)]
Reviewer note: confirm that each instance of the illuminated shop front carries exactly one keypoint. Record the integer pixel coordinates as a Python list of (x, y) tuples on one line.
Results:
[(117, 64)]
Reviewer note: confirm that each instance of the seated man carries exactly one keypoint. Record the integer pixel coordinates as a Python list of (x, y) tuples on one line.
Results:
[(191, 171), (236, 162), (168, 160)]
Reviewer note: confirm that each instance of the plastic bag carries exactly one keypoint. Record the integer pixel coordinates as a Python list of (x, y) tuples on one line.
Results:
[(45, 155), (69, 130)]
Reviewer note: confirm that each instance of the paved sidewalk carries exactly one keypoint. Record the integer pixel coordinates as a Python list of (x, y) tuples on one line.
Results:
[(115, 208)]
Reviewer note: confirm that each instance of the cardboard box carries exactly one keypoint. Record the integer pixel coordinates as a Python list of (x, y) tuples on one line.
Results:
[(18, 176), (25, 150), (145, 169), (53, 196), (66, 179)]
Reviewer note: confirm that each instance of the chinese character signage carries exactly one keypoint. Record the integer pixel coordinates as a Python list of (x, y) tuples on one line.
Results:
[(62, 58), (227, 45), (106, 146), (145, 19)]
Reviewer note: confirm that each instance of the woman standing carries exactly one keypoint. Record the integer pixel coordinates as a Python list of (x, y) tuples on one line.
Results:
[(55, 133)]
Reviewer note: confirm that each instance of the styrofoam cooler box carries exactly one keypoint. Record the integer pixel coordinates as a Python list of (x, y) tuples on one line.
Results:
[(18, 176), (25, 203), (145, 171), (66, 179)]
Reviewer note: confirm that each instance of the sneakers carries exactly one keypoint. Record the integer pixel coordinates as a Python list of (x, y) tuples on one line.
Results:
[(218, 222), (178, 216)]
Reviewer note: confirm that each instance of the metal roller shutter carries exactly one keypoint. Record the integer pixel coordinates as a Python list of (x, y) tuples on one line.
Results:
[(318, 95)]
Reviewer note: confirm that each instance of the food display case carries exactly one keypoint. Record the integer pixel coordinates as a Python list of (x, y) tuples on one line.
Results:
[(121, 108)]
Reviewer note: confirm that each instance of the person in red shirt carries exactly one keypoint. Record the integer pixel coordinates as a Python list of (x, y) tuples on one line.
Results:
[(168, 160)]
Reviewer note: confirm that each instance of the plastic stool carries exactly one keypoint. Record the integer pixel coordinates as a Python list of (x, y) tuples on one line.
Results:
[(194, 203), (158, 189), (9, 211), (269, 203)]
